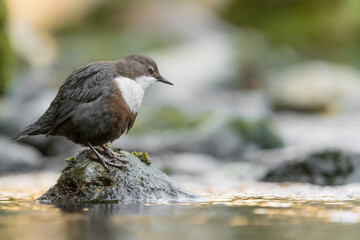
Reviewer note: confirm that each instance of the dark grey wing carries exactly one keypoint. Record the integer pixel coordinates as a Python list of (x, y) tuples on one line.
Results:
[(82, 86)]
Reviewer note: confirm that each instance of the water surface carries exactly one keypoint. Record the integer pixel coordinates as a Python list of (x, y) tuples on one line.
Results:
[(248, 211)]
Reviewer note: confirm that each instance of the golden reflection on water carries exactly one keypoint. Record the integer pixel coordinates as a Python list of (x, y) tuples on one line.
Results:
[(272, 207), (246, 206)]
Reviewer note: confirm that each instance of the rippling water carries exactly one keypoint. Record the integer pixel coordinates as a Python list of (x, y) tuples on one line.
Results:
[(246, 211)]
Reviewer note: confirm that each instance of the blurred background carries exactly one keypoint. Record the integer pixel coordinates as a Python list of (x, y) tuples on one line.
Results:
[(264, 90)]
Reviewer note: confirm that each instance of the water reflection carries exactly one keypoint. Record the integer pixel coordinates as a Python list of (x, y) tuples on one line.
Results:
[(242, 211), (220, 217)]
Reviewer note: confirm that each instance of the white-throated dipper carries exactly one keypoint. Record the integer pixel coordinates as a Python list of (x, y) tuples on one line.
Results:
[(98, 103)]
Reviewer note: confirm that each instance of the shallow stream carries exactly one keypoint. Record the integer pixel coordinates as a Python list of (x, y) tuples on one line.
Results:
[(245, 211)]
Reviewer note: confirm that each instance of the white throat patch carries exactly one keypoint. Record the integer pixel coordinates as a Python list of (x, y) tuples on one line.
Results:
[(133, 90), (145, 81)]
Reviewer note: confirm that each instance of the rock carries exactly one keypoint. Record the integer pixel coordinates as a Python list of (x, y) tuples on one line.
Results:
[(315, 86), (260, 132), (16, 157), (329, 167), (84, 180), (318, 132), (222, 142)]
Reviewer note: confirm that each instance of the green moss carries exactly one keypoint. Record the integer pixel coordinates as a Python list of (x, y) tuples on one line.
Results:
[(144, 157), (5, 52), (113, 148), (260, 132), (70, 159)]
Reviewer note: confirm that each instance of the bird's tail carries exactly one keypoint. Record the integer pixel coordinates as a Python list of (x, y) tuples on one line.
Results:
[(32, 129)]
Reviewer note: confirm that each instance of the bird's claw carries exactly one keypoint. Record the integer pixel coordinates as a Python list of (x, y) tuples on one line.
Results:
[(105, 163), (102, 162), (105, 151), (118, 158), (113, 156)]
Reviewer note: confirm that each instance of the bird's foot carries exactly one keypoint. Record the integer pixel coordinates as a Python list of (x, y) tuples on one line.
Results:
[(106, 151), (112, 155), (105, 163)]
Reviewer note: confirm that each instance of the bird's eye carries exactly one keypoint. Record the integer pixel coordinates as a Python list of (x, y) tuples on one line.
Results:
[(150, 69)]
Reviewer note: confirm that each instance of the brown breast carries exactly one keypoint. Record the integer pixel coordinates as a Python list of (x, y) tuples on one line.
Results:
[(122, 119)]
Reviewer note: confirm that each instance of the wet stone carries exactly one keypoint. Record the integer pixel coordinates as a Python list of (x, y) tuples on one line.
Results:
[(84, 180), (328, 167)]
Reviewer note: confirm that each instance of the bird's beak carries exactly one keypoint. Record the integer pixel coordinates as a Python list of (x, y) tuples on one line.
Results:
[(163, 80)]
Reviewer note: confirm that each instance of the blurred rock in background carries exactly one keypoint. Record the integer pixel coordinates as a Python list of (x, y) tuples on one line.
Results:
[(315, 86), (329, 167), (16, 157)]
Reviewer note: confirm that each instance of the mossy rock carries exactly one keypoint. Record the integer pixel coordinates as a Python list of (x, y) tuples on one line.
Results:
[(329, 167), (86, 181), (261, 132)]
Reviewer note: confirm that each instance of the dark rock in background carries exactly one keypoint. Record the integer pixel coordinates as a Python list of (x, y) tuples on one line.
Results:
[(84, 180), (16, 157), (330, 167)]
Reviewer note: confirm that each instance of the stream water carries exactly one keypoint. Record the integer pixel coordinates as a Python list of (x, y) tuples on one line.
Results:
[(245, 211)]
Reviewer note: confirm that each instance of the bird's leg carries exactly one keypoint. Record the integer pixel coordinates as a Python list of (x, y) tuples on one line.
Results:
[(102, 160), (113, 156), (98, 158)]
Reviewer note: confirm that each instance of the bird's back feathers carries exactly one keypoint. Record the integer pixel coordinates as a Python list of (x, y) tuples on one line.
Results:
[(84, 85)]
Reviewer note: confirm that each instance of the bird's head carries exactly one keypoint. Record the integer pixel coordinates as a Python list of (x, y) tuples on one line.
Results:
[(144, 70)]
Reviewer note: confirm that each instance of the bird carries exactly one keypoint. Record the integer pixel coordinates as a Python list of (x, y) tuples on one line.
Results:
[(97, 103)]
